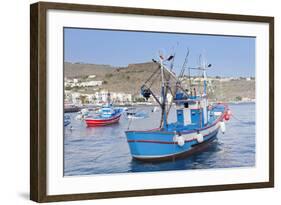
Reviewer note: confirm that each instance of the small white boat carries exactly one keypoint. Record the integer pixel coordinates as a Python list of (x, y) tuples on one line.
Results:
[(133, 114), (83, 113)]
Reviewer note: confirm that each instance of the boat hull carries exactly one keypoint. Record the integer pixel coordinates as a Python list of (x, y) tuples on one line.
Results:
[(65, 123), (92, 122), (188, 149), (71, 109)]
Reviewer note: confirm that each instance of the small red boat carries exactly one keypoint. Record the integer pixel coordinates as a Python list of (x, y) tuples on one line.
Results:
[(105, 116)]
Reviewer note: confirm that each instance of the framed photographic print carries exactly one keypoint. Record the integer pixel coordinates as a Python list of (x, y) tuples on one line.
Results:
[(135, 102)]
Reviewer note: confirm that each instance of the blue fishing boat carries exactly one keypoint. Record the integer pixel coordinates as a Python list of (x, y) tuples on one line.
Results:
[(197, 124)]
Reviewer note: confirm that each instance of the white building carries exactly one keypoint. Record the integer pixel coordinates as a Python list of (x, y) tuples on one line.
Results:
[(90, 83), (76, 98), (72, 97), (101, 97), (91, 76), (76, 83), (121, 97), (97, 97)]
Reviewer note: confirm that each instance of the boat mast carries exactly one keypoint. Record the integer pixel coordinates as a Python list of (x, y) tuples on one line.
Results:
[(204, 67), (108, 98), (205, 82), (163, 94), (165, 87)]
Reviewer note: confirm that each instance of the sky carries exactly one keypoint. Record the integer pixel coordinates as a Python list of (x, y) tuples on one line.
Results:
[(229, 55)]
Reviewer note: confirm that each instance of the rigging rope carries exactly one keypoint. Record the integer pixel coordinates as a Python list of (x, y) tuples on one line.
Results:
[(129, 124), (151, 77), (242, 121), (157, 70)]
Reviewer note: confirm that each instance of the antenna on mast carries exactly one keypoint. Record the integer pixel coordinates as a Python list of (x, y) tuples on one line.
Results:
[(184, 64), (174, 56), (203, 66)]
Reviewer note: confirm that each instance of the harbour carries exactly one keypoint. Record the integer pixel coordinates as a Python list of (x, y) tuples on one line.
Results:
[(104, 150), (161, 111)]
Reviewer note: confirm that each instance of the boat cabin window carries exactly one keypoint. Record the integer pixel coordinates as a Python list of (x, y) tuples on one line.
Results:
[(107, 110)]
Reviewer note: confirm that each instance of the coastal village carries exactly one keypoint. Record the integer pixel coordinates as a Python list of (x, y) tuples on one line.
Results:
[(88, 90)]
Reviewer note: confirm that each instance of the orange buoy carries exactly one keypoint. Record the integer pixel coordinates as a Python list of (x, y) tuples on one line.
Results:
[(226, 117)]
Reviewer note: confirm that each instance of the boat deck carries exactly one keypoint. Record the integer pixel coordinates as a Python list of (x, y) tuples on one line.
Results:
[(218, 108)]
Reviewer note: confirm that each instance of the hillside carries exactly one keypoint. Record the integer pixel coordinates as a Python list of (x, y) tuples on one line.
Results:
[(125, 79), (129, 80), (76, 70)]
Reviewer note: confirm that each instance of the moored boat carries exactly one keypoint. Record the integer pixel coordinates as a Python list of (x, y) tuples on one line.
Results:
[(68, 108), (197, 124), (106, 115), (134, 114)]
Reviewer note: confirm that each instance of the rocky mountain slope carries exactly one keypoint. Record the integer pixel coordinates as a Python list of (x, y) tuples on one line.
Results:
[(129, 80)]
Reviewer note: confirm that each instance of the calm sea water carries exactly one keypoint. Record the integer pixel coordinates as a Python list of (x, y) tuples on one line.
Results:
[(104, 150)]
